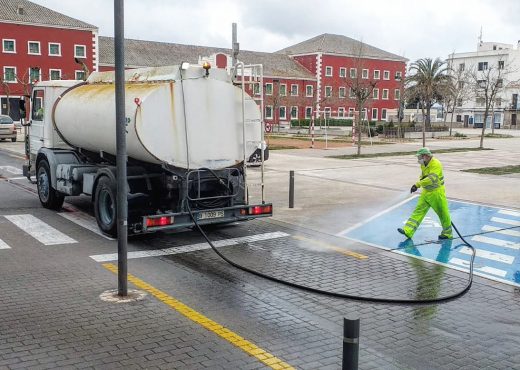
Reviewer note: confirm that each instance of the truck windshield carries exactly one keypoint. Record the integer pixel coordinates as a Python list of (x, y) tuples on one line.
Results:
[(37, 105)]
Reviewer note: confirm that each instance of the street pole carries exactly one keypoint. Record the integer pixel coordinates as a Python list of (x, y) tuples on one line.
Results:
[(121, 159)]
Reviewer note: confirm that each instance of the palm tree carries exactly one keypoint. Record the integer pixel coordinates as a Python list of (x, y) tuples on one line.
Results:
[(428, 82)]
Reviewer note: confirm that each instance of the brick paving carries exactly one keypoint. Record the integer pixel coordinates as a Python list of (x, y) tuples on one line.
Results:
[(52, 317)]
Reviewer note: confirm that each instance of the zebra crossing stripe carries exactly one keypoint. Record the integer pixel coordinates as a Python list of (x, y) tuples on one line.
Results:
[(506, 221), (509, 213), (501, 231), (3, 245), (191, 248), (39, 230), (495, 241), (485, 269), (498, 257), (84, 220)]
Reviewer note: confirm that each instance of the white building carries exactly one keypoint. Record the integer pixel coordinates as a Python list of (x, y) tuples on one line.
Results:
[(502, 62)]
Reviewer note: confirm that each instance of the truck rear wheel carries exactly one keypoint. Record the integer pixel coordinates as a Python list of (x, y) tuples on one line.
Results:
[(105, 206), (49, 197)]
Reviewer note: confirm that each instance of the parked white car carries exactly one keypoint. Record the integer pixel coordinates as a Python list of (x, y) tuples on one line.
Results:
[(7, 128)]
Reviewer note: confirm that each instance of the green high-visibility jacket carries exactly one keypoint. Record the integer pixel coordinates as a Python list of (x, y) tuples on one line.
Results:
[(432, 177)]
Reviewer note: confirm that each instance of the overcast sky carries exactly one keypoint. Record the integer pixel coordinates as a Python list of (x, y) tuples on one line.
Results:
[(413, 29)]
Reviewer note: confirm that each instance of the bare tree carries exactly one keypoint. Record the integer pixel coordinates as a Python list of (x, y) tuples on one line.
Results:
[(361, 90), (487, 82), (458, 92), (7, 92)]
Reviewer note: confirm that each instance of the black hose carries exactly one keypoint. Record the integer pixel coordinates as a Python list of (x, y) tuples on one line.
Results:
[(342, 295)]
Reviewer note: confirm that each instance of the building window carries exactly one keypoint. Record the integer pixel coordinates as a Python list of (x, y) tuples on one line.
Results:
[(10, 74), (256, 89), (80, 75), (54, 49), (34, 74), (353, 72), (398, 76), (269, 111), (327, 112), (500, 64), (462, 67), (283, 113), (309, 91), (294, 90), (364, 74), (500, 82), (269, 89), (375, 94), (386, 75), (55, 74), (308, 112), (33, 48), (482, 66), (383, 114), (459, 117), (351, 93), (480, 102), (8, 46), (351, 112), (342, 72), (328, 71), (397, 94), (374, 114), (498, 102), (481, 83), (328, 91), (80, 51), (341, 112), (342, 92), (459, 102), (377, 74), (461, 85), (294, 112), (364, 115), (283, 90), (385, 94)]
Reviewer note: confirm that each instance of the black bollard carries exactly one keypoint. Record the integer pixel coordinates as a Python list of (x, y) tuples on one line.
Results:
[(291, 189), (350, 344)]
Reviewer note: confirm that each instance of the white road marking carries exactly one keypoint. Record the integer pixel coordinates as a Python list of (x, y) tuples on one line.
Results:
[(11, 169), (191, 248), (485, 269), (39, 230), (17, 178), (509, 213), (84, 220), (499, 257), (505, 221), (500, 231), (3, 245), (495, 241)]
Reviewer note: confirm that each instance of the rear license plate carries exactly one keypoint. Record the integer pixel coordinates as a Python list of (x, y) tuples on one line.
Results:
[(210, 214)]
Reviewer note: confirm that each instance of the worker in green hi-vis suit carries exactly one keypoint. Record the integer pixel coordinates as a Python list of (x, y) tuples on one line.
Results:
[(433, 195)]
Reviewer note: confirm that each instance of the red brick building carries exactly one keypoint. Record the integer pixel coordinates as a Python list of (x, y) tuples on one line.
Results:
[(38, 43)]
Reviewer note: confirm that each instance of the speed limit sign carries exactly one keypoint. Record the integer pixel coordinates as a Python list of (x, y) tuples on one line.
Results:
[(268, 127)]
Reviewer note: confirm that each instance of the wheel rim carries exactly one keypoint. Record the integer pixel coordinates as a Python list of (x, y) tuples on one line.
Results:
[(106, 207), (256, 158), (43, 184)]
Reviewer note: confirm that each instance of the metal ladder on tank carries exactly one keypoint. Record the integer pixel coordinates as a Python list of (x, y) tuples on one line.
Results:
[(251, 75)]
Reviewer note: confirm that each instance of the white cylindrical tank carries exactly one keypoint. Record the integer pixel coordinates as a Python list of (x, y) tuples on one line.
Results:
[(190, 124)]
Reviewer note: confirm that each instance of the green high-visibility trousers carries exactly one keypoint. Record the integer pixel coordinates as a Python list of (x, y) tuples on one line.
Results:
[(435, 199)]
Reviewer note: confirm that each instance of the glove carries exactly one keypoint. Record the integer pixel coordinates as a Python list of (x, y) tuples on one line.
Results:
[(413, 189)]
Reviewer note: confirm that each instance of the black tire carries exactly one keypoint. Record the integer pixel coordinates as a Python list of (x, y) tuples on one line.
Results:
[(13, 139), (105, 206), (49, 197)]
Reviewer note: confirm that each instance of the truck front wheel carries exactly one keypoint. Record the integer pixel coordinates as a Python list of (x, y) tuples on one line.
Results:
[(49, 197), (105, 206)]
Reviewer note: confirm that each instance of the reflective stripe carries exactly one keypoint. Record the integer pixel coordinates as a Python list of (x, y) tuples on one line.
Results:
[(412, 221)]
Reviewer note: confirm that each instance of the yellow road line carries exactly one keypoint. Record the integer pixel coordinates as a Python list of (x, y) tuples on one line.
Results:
[(332, 247), (223, 332)]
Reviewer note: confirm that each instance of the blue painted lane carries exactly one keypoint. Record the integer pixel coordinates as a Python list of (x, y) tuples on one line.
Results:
[(494, 232)]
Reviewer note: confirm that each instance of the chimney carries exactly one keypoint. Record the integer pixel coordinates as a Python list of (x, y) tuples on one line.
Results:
[(20, 10)]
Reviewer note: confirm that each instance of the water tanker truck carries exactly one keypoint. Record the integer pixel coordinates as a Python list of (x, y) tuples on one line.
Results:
[(190, 131)]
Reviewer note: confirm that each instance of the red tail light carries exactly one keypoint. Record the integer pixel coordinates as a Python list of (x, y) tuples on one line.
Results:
[(159, 221), (261, 210)]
